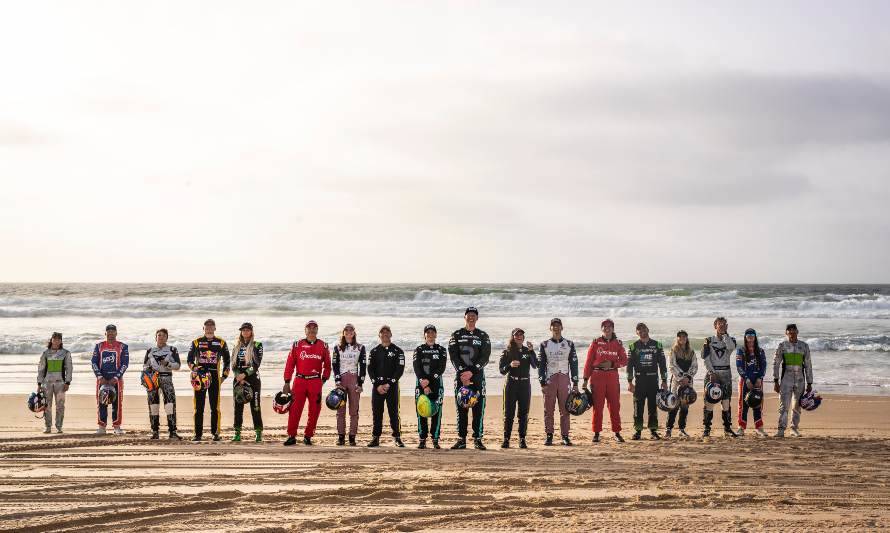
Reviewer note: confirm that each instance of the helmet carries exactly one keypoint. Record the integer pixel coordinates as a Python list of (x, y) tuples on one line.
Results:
[(242, 392), (467, 397), (281, 403), (810, 401), (200, 379), (666, 400), (107, 394), (336, 398), (754, 398), (577, 403), (713, 392), (426, 407), (149, 380), (687, 395), (37, 402)]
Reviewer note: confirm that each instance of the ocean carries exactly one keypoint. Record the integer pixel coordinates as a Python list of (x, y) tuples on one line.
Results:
[(847, 326)]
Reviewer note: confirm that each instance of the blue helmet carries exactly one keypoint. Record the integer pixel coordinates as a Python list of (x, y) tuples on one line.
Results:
[(336, 398), (714, 392), (467, 397), (107, 394), (810, 401), (37, 402)]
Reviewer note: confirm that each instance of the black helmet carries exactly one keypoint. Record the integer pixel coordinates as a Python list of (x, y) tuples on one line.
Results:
[(754, 398), (577, 403)]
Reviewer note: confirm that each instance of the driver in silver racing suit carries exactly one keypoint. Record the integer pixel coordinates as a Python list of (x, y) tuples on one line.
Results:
[(718, 354)]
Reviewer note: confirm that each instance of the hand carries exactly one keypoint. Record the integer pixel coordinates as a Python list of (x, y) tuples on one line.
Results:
[(286, 388), (514, 364), (776, 387), (630, 386), (67, 386), (424, 383), (240, 377), (712, 378), (529, 345), (427, 390), (225, 375), (684, 381), (664, 385), (575, 387), (466, 374), (381, 389), (112, 381), (465, 381), (758, 384), (358, 389), (809, 388), (749, 384)]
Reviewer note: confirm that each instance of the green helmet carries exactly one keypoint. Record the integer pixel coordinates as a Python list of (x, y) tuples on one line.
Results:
[(426, 407)]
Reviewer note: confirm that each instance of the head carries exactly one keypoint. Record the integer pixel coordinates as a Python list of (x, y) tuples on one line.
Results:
[(791, 332), (161, 337), (429, 334), (385, 335), (111, 333), (245, 333), (751, 343), (517, 339), (347, 336), (556, 328), (471, 315), (720, 325), (311, 330), (642, 331), (608, 328), (681, 346), (55, 341), (209, 328)]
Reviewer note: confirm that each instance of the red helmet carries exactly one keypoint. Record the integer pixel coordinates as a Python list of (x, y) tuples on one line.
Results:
[(200, 379), (281, 403)]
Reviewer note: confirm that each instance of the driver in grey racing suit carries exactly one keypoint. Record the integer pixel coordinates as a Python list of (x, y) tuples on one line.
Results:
[(718, 354)]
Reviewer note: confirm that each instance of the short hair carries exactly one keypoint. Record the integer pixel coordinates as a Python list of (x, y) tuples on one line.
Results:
[(720, 319), (162, 330), (791, 327), (210, 322), (641, 325)]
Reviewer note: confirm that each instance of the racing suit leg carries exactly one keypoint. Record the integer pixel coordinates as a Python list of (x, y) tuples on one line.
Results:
[(743, 406), (639, 399), (672, 416), (377, 401), (392, 408), (462, 414), (613, 399), (117, 408), (725, 379), (348, 381), (238, 410), (549, 391), (423, 426), (296, 409), (791, 388), (165, 385), (651, 405), (215, 411), (479, 410), (102, 414), (436, 422), (510, 399), (199, 401), (562, 395), (313, 397), (154, 407), (48, 412), (525, 400), (255, 412), (599, 399)]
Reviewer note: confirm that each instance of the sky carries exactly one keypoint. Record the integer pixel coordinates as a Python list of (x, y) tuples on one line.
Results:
[(712, 142)]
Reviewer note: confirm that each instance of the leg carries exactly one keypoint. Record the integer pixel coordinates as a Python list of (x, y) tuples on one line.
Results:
[(60, 404), (684, 411), (296, 408), (169, 391), (639, 400), (599, 401), (314, 398), (509, 408), (743, 407), (215, 411), (549, 404), (354, 400), (238, 411), (525, 400), (613, 398), (799, 388), (479, 412), (48, 388), (154, 409), (392, 408), (199, 400), (651, 392), (422, 423), (255, 412), (117, 408), (562, 394), (672, 416), (462, 415), (377, 401), (437, 419)]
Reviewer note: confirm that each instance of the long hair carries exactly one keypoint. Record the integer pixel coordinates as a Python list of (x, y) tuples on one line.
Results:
[(248, 353), (343, 343), (49, 345), (754, 355), (682, 352), (513, 347)]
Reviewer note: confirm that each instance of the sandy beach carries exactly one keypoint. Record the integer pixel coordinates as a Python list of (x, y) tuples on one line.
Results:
[(835, 477)]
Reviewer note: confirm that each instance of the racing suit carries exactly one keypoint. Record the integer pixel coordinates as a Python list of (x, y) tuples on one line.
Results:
[(207, 354), (557, 364), (793, 370), (110, 361), (645, 362), (681, 368), (252, 378), (350, 366), (518, 388), (53, 373), (429, 363), (605, 380), (470, 351), (310, 364), (717, 353), (163, 361), (750, 368), (386, 364)]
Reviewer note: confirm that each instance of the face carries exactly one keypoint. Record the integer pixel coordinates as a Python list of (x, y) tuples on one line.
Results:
[(209, 330), (311, 331), (430, 337), (682, 340), (608, 329), (349, 333), (721, 326), (161, 337), (643, 332), (471, 319), (556, 329), (385, 336), (749, 340), (519, 337), (111, 335), (792, 335), (247, 333), (56, 343)]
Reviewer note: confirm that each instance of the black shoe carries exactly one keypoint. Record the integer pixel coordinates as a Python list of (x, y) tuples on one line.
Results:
[(290, 441), (706, 432), (566, 441), (352, 440), (341, 440), (154, 435), (216, 437), (618, 437), (307, 441), (196, 438), (522, 443), (436, 444), (596, 438), (174, 436), (477, 443), (506, 443), (653, 435), (461, 444), (636, 436), (398, 442), (549, 441), (728, 432), (375, 442), (422, 444)]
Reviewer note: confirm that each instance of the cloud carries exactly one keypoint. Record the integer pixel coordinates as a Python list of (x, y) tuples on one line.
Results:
[(13, 134)]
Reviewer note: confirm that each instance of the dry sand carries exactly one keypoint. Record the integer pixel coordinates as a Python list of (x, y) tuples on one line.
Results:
[(836, 477)]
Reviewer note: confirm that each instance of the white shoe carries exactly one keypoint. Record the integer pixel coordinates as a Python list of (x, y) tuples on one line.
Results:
[(740, 432), (684, 434), (780, 434), (118, 431), (58, 430), (761, 432), (100, 431), (794, 432), (48, 430)]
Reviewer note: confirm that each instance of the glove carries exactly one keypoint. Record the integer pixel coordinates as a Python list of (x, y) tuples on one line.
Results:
[(809, 388)]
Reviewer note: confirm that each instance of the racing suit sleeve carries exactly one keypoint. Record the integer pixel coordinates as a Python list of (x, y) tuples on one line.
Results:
[(705, 353), (676, 372), (125, 361), (588, 364), (335, 363), (418, 368), (226, 357), (173, 362), (484, 352), (542, 364), (362, 366), (777, 362), (761, 364), (662, 364), (326, 363), (146, 364), (68, 365), (622, 355), (192, 357), (94, 361), (257, 359), (443, 362), (41, 369), (504, 363), (454, 353), (631, 362), (740, 363), (533, 361), (807, 364), (573, 363), (400, 369), (372, 369), (289, 366)]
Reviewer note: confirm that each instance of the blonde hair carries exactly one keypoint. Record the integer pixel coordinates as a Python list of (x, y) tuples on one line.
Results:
[(248, 353), (685, 352)]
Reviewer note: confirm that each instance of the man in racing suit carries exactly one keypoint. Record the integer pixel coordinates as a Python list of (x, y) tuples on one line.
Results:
[(110, 361), (164, 360), (386, 364), (718, 355), (430, 360), (557, 365), (604, 357), (792, 378), (645, 362), (206, 353), (309, 362), (54, 377), (750, 362), (469, 349)]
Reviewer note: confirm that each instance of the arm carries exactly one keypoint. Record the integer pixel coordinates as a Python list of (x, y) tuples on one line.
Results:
[(362, 366), (485, 352), (588, 363), (504, 364), (777, 362), (542, 364), (454, 353), (693, 368), (68, 365), (622, 355), (761, 364), (533, 361), (740, 363), (192, 356), (631, 363), (94, 361), (705, 353), (125, 361), (418, 368), (146, 363), (443, 363), (325, 363), (335, 363), (400, 370), (289, 366), (257, 359), (41, 369), (173, 362), (662, 364), (226, 357), (808, 365), (573, 363), (372, 370)]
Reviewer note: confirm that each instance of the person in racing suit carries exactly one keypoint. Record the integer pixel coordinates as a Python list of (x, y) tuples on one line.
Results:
[(309, 362), (207, 353), (515, 365), (645, 362), (247, 356), (163, 360), (350, 367), (717, 353), (430, 360), (386, 364), (54, 377), (792, 378), (604, 357), (750, 362), (469, 349), (557, 366), (110, 361), (684, 366)]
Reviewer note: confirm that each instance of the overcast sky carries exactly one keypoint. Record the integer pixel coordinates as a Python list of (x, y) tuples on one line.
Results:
[(456, 142)]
